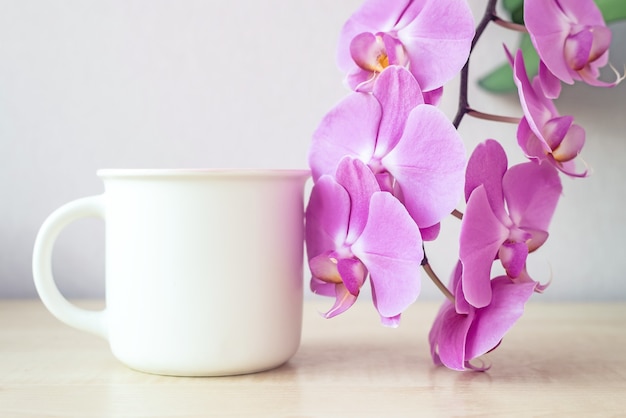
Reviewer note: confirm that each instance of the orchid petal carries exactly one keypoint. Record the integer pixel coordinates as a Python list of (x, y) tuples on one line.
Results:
[(586, 12), (433, 97), (321, 287), (327, 217), (430, 233), (570, 146), (343, 301), (428, 164), (555, 130), (532, 192), (537, 238), (481, 236), (492, 322), (352, 273), (578, 49), (486, 166), (548, 29), (324, 268), (398, 94), (360, 183), (534, 148), (360, 80), (601, 42), (437, 36), (391, 322), (550, 84), (350, 128), (537, 109), (390, 247), (386, 182), (456, 287), (448, 337), (394, 50), (569, 167), (590, 76), (513, 257)]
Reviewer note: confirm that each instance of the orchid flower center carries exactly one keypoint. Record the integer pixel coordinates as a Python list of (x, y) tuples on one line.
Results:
[(518, 235), (333, 268), (325, 268), (385, 180), (585, 44), (376, 52), (383, 61), (564, 138)]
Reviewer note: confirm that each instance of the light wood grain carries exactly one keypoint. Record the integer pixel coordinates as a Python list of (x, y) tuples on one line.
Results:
[(560, 360)]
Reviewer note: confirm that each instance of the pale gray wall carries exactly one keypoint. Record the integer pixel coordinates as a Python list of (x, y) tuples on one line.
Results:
[(94, 84)]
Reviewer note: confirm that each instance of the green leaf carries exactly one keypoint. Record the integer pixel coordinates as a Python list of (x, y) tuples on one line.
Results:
[(612, 10), (517, 16), (512, 5), (515, 9), (501, 79)]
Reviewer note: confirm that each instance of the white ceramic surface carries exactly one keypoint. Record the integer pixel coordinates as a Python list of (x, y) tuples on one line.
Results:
[(203, 268)]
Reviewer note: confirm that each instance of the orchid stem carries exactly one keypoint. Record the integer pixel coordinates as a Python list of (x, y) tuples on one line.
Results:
[(464, 107), (428, 269), (509, 25), (488, 116), (457, 214)]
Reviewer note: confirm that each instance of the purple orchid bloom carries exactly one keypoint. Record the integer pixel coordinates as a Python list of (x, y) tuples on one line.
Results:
[(461, 332), (431, 38), (529, 191), (411, 147), (352, 229), (572, 40), (543, 134)]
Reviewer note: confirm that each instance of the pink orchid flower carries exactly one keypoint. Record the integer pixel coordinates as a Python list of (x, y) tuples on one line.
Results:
[(411, 147), (352, 229), (543, 134), (572, 40), (461, 332), (431, 38), (529, 191)]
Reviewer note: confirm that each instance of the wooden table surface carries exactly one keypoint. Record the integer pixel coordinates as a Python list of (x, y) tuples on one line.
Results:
[(560, 360)]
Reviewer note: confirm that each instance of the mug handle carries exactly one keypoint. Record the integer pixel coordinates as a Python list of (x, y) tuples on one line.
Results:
[(57, 304)]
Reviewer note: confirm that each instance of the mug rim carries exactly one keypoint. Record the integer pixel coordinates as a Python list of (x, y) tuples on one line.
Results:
[(201, 172)]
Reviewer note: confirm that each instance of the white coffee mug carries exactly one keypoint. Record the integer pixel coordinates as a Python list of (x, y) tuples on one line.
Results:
[(203, 268)]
